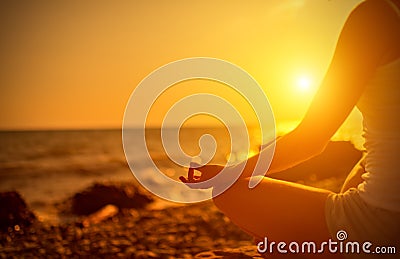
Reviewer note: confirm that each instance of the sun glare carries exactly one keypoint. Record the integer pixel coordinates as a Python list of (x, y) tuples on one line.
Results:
[(304, 83)]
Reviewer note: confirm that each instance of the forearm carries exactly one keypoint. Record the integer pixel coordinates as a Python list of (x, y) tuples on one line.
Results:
[(295, 148), (290, 150)]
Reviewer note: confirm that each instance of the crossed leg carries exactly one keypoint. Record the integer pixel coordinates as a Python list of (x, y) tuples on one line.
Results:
[(278, 210)]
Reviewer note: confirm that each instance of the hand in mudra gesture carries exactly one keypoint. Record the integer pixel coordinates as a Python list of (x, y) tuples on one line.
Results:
[(229, 175), (206, 173)]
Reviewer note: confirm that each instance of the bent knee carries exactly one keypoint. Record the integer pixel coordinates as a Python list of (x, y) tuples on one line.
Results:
[(240, 192)]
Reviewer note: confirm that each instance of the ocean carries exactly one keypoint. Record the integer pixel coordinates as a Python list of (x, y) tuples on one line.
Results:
[(47, 167)]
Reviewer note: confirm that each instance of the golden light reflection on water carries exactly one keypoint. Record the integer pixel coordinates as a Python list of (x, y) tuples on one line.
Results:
[(351, 130)]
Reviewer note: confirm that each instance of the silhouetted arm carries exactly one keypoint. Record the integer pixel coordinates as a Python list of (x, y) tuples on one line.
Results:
[(366, 41)]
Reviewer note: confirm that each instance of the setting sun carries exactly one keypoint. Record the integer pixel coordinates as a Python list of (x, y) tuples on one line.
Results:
[(303, 83)]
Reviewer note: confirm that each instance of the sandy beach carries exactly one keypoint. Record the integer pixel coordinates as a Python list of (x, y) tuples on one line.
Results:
[(176, 232)]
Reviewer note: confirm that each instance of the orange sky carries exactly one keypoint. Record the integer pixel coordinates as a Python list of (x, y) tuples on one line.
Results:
[(74, 64)]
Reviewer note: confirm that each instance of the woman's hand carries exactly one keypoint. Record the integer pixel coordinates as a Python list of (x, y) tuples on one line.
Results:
[(206, 173)]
